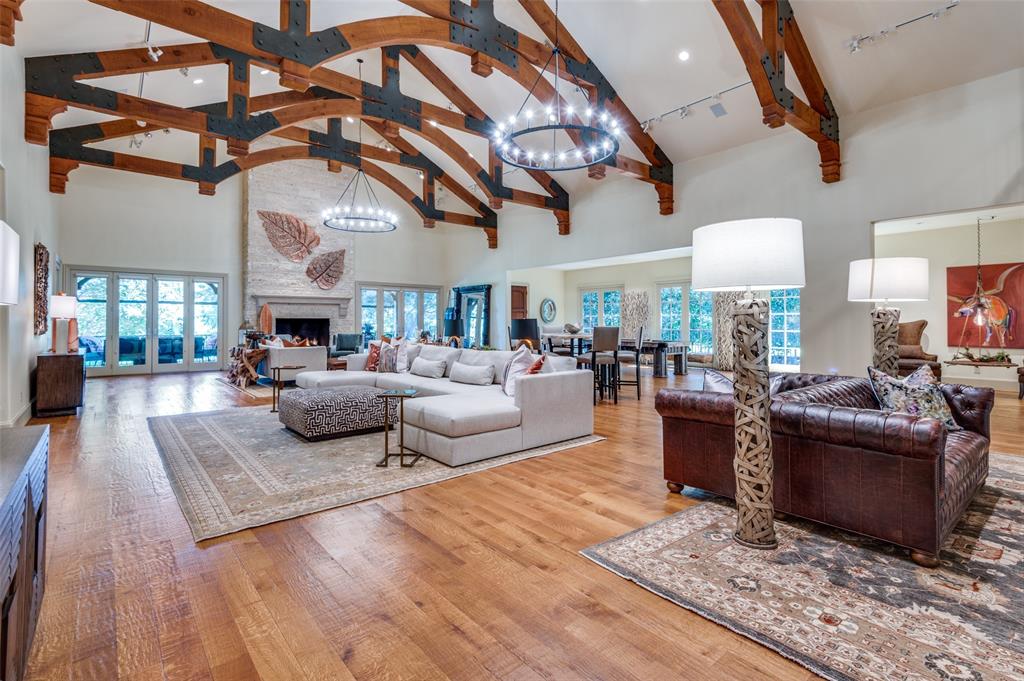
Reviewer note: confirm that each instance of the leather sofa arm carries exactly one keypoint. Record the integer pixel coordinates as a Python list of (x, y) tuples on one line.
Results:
[(897, 434), (692, 405), (971, 406)]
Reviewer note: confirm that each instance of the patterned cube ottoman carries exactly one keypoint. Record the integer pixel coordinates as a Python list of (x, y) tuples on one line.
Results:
[(322, 414)]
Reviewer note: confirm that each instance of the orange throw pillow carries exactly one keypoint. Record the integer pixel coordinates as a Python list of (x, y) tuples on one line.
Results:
[(373, 359), (537, 366)]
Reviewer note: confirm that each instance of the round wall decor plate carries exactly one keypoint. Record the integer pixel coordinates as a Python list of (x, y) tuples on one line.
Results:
[(547, 310)]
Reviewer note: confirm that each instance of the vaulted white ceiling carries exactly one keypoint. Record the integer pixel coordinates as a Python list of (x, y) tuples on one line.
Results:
[(634, 42)]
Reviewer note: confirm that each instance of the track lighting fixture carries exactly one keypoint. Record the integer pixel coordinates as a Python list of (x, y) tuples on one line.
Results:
[(859, 42)]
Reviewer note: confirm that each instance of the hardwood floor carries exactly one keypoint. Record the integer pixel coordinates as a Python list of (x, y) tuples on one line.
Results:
[(478, 577)]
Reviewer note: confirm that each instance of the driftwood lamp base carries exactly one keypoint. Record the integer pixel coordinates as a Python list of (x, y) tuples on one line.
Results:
[(885, 321), (755, 526)]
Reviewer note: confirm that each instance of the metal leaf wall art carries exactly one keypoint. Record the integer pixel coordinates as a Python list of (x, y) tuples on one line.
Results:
[(325, 270), (289, 235)]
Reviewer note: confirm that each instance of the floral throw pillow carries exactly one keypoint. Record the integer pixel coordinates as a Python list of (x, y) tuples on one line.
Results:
[(918, 395)]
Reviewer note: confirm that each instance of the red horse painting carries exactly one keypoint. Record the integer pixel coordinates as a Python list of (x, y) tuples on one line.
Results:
[(1003, 297)]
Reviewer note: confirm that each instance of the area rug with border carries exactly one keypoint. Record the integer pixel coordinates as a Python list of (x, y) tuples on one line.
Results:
[(847, 606), (239, 468)]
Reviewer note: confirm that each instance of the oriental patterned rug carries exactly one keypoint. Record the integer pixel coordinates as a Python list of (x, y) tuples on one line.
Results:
[(240, 468), (845, 606)]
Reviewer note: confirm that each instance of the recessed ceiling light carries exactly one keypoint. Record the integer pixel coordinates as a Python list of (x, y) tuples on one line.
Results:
[(684, 56), (264, 72), (350, 119), (197, 81)]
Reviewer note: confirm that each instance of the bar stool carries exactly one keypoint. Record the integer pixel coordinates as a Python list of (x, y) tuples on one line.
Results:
[(633, 358), (604, 361)]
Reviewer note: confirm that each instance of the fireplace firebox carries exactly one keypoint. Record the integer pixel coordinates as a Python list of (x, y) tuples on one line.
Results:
[(318, 329)]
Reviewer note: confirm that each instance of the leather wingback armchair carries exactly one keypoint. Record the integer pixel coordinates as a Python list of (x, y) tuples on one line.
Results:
[(839, 460), (911, 352)]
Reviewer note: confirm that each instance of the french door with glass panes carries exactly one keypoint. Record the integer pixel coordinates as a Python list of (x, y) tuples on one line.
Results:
[(397, 311), (134, 323)]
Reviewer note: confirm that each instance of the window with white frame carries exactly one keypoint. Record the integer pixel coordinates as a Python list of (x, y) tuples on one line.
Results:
[(784, 327), (398, 310), (700, 313), (600, 307), (671, 313)]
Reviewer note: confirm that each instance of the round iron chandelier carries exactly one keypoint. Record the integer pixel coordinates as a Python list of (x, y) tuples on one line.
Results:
[(350, 213), (530, 139)]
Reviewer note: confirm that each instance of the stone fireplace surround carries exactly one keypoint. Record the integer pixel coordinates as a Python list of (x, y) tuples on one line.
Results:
[(300, 188), (333, 308)]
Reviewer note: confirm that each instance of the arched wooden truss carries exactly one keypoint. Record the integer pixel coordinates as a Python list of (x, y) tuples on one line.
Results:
[(54, 83)]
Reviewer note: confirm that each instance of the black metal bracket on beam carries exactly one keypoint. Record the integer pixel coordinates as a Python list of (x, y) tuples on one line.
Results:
[(478, 29), (294, 43)]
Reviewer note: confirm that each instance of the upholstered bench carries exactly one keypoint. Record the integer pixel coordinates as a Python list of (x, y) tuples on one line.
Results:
[(322, 414)]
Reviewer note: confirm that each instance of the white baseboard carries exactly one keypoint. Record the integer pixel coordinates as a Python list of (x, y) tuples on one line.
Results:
[(20, 419)]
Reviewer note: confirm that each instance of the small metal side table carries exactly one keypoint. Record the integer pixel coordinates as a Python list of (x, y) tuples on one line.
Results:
[(275, 388), (401, 396)]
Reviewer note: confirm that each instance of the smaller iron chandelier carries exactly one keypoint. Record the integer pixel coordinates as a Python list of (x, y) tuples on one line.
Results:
[(529, 139), (350, 214)]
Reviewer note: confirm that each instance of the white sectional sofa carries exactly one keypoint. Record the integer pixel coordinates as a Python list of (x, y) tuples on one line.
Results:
[(457, 423)]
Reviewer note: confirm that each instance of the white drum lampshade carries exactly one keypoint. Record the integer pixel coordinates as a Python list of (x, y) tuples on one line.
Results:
[(761, 253), (63, 307), (888, 279), (10, 259)]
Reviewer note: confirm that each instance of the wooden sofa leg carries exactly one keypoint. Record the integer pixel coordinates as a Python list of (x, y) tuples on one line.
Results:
[(924, 559), (674, 487)]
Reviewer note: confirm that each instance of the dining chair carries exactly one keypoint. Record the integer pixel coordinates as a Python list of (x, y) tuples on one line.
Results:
[(631, 357), (603, 360)]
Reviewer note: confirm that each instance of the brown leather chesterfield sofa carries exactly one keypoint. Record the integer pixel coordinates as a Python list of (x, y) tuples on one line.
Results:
[(839, 460)]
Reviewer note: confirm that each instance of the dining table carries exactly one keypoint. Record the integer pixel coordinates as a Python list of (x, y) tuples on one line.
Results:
[(659, 348), (576, 340)]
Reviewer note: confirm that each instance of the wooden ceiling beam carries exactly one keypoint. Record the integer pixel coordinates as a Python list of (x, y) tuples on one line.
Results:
[(298, 56), (10, 12), (764, 55), (446, 180), (61, 166), (445, 85), (545, 18), (553, 28)]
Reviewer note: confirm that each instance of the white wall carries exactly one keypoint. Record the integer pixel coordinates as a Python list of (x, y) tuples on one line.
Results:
[(541, 283), (1002, 242), (644, 276), (30, 211), (118, 219), (943, 151), (125, 220)]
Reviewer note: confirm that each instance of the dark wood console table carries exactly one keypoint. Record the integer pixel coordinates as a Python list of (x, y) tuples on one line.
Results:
[(59, 384), (24, 460)]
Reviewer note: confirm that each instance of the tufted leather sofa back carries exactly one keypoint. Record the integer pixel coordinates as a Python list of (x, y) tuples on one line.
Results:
[(855, 393), (971, 406), (790, 382)]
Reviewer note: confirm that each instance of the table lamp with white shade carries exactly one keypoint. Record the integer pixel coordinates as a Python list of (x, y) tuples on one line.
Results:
[(10, 259), (748, 255), (887, 280), (64, 311)]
